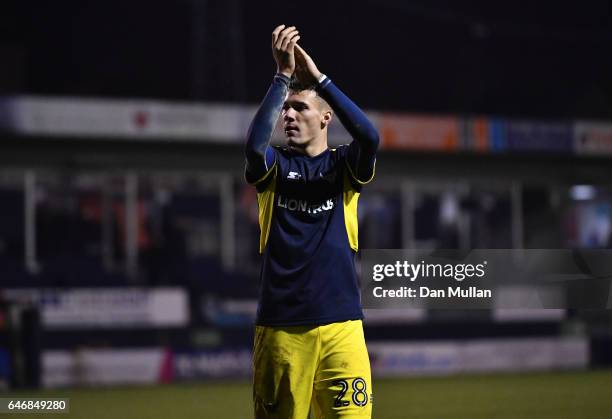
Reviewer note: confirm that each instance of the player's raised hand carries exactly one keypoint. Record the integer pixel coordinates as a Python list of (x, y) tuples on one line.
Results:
[(306, 70), (283, 44)]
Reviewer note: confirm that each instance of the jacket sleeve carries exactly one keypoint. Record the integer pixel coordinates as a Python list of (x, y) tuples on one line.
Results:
[(361, 156), (260, 157)]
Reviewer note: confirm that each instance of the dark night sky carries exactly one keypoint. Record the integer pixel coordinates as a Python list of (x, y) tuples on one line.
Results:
[(515, 58)]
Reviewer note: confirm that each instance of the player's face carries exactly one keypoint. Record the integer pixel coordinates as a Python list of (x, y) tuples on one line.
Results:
[(304, 118)]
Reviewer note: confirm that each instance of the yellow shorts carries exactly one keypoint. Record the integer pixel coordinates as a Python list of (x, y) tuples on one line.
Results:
[(326, 366)]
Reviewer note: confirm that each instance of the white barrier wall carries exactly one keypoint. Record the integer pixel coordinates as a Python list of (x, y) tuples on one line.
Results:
[(486, 355), (107, 307)]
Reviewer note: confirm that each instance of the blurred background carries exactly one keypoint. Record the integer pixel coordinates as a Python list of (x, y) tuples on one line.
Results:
[(128, 237)]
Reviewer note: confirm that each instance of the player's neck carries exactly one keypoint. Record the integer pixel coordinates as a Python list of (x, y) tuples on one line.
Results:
[(312, 148)]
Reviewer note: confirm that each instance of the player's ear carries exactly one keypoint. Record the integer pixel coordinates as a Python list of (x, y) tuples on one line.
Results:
[(327, 118)]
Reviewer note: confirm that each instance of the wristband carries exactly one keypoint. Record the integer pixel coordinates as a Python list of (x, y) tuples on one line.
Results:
[(323, 81)]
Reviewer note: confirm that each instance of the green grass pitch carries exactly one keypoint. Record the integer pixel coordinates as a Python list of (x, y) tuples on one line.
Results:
[(584, 395)]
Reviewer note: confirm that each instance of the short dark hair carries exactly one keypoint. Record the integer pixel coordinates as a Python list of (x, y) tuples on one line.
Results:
[(295, 85)]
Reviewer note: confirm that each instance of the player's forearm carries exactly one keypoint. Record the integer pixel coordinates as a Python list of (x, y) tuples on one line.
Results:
[(354, 119), (263, 124)]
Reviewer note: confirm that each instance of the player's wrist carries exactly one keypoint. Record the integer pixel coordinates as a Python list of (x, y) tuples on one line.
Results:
[(285, 72)]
